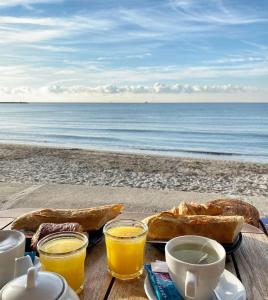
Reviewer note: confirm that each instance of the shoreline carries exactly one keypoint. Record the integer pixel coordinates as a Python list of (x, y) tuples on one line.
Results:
[(195, 155), (40, 164)]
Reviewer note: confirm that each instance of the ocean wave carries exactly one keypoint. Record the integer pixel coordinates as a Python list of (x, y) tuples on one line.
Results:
[(166, 131), (59, 137), (202, 152), (181, 129)]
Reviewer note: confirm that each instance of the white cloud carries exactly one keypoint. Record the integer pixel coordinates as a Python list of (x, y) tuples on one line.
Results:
[(7, 20), (157, 88), (12, 70), (216, 12), (151, 23), (142, 55), (29, 36), (30, 30), (54, 48), (95, 73), (4, 3), (113, 51), (134, 56)]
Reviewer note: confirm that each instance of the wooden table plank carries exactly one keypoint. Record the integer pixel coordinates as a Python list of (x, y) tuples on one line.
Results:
[(247, 228), (4, 222), (229, 265), (252, 262), (133, 289), (251, 259), (97, 279)]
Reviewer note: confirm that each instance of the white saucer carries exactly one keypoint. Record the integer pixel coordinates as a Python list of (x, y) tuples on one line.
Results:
[(228, 288)]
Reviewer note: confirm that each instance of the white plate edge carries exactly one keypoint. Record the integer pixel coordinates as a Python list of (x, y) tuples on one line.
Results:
[(151, 296)]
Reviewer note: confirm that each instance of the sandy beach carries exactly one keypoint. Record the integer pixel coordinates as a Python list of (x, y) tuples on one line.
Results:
[(32, 164)]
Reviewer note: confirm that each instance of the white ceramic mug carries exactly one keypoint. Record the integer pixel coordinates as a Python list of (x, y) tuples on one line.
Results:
[(195, 281), (12, 246)]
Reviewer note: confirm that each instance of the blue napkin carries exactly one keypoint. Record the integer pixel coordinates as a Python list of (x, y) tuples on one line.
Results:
[(162, 285)]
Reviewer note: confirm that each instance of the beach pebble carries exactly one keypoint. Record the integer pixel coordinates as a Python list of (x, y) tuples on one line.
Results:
[(26, 164)]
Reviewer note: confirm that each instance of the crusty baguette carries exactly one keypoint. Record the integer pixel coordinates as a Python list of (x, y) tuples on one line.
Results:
[(89, 218), (193, 208), (166, 226), (231, 207), (223, 207)]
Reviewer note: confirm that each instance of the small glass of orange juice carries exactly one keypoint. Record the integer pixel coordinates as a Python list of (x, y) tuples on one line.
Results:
[(64, 253), (125, 243)]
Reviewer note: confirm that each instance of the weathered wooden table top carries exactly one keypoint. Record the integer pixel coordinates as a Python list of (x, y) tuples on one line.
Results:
[(249, 263)]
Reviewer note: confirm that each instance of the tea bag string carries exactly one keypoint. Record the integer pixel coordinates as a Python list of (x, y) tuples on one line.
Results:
[(203, 257)]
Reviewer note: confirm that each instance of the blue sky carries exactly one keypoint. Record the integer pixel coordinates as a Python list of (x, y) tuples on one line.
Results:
[(106, 50)]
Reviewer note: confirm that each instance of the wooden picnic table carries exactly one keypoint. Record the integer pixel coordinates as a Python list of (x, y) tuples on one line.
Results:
[(249, 263)]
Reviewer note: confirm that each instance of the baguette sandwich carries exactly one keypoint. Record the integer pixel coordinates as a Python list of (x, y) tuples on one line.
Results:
[(167, 225), (89, 218), (222, 207)]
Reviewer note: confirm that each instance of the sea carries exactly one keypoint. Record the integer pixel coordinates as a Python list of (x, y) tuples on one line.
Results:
[(233, 131)]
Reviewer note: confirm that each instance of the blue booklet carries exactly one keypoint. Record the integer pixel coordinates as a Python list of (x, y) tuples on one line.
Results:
[(162, 285)]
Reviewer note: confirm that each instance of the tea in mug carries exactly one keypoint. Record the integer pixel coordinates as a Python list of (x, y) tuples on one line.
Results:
[(192, 253)]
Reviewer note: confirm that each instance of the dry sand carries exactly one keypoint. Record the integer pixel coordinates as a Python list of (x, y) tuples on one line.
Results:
[(32, 164)]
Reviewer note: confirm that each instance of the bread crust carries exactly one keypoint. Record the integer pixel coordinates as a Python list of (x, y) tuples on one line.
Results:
[(231, 207), (89, 218), (192, 208), (49, 228), (166, 226)]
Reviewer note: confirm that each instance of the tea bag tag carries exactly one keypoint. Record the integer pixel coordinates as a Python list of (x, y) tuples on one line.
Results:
[(159, 267)]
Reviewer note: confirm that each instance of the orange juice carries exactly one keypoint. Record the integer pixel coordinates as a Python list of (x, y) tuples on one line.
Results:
[(125, 251), (65, 256)]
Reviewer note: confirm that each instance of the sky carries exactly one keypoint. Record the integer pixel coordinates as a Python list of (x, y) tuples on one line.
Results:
[(134, 50)]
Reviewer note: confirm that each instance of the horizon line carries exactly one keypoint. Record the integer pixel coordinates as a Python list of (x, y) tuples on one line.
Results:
[(126, 102)]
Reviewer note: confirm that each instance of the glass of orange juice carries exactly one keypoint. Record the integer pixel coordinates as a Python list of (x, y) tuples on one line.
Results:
[(65, 253), (125, 243)]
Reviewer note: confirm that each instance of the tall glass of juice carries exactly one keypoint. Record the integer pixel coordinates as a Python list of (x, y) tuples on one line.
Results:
[(125, 242), (65, 253)]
